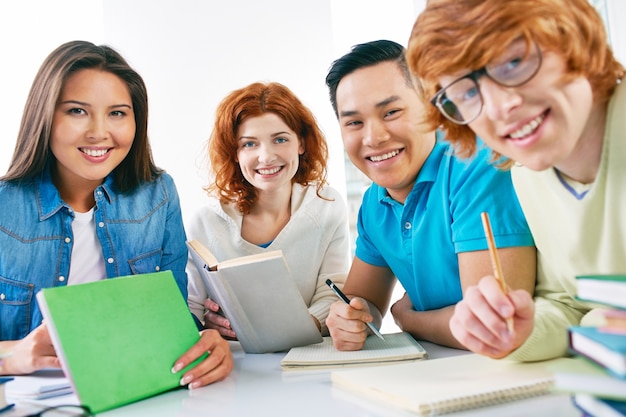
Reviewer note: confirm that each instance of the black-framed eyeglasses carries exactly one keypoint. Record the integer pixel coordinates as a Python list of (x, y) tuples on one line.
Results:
[(461, 101), (64, 411)]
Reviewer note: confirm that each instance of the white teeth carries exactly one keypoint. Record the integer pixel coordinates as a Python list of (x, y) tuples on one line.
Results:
[(268, 171), (383, 157), (527, 129), (94, 152)]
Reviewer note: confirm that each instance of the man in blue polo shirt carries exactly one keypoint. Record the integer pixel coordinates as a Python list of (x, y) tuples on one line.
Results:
[(420, 220)]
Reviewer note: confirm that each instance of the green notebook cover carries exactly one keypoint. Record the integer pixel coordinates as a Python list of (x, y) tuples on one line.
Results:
[(604, 277), (119, 338)]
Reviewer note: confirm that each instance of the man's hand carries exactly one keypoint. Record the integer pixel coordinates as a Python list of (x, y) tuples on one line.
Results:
[(347, 323), (479, 321)]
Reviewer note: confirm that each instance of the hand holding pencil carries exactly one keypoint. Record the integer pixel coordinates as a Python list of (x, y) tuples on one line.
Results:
[(494, 318)]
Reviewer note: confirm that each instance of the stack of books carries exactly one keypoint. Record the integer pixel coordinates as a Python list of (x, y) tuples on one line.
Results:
[(597, 377)]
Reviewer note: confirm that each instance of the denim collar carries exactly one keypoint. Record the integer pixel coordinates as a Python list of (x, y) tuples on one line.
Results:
[(49, 200)]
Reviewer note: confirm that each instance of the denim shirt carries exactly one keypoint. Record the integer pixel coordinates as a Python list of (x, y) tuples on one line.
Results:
[(140, 232)]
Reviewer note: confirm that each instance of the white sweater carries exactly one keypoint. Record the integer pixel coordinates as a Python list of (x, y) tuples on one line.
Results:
[(315, 243)]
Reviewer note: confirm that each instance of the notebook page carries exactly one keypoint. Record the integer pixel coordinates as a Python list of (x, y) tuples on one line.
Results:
[(396, 346), (450, 384)]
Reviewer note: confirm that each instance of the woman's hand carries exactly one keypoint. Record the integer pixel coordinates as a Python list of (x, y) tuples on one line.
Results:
[(213, 368), (30, 354), (214, 320)]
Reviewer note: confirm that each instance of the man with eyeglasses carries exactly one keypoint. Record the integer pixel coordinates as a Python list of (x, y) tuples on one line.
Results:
[(537, 81), (420, 220)]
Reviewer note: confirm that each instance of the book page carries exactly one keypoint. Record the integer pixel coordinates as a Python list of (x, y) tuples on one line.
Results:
[(244, 260), (395, 347), (204, 253)]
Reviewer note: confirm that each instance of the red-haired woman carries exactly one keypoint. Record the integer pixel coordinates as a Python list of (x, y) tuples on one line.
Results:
[(268, 157)]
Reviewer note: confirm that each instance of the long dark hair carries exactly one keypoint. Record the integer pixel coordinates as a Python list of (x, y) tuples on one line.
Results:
[(32, 150)]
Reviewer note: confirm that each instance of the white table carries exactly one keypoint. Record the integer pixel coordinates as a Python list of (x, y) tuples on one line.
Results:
[(258, 387)]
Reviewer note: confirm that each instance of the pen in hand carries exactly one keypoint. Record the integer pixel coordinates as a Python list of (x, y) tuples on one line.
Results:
[(341, 295), (495, 261)]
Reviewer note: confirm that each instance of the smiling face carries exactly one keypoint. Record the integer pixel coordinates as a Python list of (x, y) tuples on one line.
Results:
[(93, 128), (379, 117), (268, 152), (544, 122)]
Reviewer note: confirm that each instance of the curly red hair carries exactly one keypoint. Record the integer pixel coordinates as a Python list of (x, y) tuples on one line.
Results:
[(255, 100)]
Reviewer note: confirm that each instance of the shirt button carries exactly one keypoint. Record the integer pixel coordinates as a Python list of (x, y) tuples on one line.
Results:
[(110, 260), (68, 240), (158, 268), (61, 278), (99, 192), (2, 296), (101, 224), (407, 225)]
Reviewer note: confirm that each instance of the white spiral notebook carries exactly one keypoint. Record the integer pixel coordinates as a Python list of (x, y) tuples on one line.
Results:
[(397, 347), (441, 386)]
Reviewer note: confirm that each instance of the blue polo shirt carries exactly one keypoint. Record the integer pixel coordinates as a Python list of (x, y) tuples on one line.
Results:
[(420, 239)]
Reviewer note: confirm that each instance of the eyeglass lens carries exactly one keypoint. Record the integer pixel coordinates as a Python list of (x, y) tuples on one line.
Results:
[(461, 101)]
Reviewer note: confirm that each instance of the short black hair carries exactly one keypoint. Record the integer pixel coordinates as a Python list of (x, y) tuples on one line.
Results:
[(365, 55)]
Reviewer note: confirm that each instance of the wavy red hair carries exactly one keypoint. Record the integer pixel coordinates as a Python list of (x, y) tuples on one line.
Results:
[(252, 101)]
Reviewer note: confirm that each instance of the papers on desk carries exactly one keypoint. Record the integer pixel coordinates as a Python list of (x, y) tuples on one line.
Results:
[(4, 404), (39, 386), (397, 347)]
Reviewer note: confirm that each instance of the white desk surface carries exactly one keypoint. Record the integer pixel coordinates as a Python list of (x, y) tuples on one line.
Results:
[(258, 387)]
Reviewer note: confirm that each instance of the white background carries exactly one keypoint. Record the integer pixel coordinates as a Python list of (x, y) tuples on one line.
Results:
[(191, 54)]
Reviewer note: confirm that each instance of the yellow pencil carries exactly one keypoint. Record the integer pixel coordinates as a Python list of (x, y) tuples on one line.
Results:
[(495, 261)]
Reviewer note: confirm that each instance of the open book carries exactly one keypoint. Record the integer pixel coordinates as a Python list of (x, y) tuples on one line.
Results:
[(119, 338), (397, 347), (447, 385), (259, 298)]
